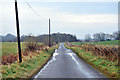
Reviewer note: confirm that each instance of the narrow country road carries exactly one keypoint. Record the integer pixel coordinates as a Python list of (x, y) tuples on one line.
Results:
[(66, 64)]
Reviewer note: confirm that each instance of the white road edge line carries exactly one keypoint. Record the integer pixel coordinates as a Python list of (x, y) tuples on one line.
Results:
[(71, 54)]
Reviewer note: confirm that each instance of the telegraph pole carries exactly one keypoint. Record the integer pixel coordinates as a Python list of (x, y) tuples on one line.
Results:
[(49, 34), (18, 32)]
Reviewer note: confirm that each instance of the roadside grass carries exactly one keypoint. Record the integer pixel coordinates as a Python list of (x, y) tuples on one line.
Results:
[(11, 47), (111, 43), (30, 66), (108, 68)]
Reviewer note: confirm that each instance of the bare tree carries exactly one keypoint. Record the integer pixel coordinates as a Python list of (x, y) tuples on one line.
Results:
[(96, 36), (102, 36), (99, 36), (116, 35), (87, 37)]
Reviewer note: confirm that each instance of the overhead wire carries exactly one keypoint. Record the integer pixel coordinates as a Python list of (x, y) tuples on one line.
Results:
[(34, 10)]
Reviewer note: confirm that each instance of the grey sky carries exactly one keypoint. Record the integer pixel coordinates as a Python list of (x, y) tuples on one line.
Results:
[(78, 18)]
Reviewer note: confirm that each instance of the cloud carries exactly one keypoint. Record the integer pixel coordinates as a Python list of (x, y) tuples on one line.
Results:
[(61, 21), (59, 16), (99, 18)]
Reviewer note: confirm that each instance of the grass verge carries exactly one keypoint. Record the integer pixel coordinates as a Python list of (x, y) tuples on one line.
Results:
[(108, 68), (31, 65)]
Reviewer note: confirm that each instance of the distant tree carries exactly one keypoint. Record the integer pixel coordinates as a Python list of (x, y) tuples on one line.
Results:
[(116, 35), (96, 36), (9, 38), (99, 36), (55, 37), (87, 37), (111, 37), (102, 36)]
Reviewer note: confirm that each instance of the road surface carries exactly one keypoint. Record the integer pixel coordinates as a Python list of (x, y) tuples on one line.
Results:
[(66, 64)]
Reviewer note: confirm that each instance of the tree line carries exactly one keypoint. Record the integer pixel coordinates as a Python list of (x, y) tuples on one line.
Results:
[(103, 37), (62, 37), (55, 37)]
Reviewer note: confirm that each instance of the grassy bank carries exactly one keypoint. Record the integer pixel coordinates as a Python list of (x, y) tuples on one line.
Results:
[(108, 68), (31, 65), (113, 43)]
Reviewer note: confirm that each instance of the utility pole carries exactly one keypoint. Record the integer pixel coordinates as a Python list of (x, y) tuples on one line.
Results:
[(18, 32), (49, 33)]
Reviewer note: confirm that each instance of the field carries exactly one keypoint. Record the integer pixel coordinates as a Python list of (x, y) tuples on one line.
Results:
[(110, 43), (10, 47)]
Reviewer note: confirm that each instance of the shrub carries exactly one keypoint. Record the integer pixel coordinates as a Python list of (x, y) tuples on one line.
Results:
[(32, 44), (9, 59)]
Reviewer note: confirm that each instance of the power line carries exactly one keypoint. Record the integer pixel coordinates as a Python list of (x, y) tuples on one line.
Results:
[(33, 10)]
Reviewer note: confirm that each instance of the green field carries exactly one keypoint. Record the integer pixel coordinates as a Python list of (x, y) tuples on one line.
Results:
[(10, 47), (115, 42)]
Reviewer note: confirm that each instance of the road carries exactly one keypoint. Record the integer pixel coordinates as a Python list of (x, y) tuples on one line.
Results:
[(66, 64)]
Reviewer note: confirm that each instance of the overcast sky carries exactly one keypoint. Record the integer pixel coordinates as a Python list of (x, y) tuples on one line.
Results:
[(78, 17)]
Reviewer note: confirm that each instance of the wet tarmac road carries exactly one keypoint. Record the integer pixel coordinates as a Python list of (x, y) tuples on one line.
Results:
[(66, 64)]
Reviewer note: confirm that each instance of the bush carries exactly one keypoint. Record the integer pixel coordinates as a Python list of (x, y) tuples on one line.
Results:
[(31, 43), (9, 59), (31, 46)]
